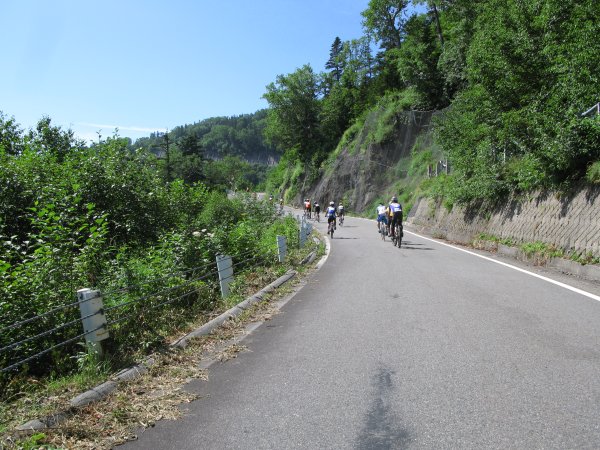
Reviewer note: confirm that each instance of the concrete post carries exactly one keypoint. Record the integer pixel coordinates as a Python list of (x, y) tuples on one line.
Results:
[(225, 269), (91, 308), (281, 248)]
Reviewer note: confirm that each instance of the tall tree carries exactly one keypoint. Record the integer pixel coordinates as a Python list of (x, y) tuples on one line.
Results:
[(385, 20), (418, 62), (293, 120), (334, 63)]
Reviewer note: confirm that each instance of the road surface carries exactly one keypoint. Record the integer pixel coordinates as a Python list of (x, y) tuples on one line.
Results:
[(423, 347)]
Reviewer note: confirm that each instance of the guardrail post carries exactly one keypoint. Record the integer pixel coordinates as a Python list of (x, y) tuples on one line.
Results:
[(91, 308), (302, 234), (281, 248), (225, 268)]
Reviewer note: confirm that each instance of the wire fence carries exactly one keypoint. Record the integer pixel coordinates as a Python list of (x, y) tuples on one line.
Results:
[(122, 304)]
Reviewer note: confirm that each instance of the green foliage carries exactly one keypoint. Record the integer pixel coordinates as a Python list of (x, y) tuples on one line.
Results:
[(104, 217), (293, 117), (418, 62), (420, 162), (385, 20), (218, 137), (593, 173), (540, 251)]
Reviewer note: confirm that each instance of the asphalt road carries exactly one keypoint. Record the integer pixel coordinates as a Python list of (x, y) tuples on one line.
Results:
[(425, 346)]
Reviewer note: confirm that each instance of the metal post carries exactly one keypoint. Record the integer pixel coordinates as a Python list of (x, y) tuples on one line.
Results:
[(225, 269), (91, 308), (281, 248)]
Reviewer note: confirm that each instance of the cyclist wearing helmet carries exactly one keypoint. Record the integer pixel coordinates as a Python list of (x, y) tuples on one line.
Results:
[(330, 214), (317, 209), (307, 207), (381, 216), (340, 213), (396, 213)]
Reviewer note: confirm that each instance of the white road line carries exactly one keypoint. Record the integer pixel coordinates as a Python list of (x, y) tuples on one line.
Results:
[(549, 280)]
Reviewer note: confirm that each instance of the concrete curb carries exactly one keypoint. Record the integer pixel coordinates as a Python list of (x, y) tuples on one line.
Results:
[(208, 327), (108, 387)]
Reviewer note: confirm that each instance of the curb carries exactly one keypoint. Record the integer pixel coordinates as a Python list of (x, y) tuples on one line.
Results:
[(104, 389)]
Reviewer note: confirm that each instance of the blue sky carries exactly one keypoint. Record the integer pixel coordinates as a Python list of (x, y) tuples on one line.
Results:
[(152, 65)]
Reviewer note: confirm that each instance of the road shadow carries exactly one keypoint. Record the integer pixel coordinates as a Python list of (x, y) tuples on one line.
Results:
[(348, 238), (408, 245)]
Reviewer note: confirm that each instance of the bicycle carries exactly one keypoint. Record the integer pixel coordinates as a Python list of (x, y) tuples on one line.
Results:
[(341, 220), (331, 228), (383, 230), (398, 233)]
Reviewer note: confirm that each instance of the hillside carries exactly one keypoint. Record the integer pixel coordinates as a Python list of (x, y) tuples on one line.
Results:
[(364, 172), (219, 137)]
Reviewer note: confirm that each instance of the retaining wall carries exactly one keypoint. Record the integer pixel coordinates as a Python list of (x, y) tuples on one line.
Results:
[(571, 222)]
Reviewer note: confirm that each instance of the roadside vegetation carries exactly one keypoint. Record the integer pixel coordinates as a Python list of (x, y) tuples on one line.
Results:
[(120, 221), (510, 78)]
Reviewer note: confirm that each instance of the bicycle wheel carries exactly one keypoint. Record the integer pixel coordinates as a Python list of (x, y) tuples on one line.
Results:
[(331, 229), (382, 231), (400, 234), (397, 236)]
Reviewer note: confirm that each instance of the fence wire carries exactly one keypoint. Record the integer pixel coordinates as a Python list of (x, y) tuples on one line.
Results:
[(242, 259)]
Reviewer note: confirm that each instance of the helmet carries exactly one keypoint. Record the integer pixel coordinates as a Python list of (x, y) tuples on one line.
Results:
[(394, 198), (331, 203)]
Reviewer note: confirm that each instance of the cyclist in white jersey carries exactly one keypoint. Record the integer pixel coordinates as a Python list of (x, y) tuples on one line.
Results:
[(381, 216), (340, 213)]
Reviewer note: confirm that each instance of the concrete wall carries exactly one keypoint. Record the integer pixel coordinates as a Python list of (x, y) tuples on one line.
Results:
[(568, 222)]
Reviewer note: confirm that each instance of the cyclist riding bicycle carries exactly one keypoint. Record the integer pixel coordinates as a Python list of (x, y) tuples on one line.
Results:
[(340, 213), (396, 211), (307, 207), (330, 214), (381, 216), (317, 209)]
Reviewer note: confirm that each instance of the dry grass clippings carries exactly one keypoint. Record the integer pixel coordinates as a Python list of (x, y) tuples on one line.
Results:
[(141, 402)]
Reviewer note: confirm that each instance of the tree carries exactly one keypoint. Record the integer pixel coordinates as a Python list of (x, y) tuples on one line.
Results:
[(11, 135), (334, 63), (418, 62), (53, 139), (190, 145), (384, 19), (433, 10), (293, 120)]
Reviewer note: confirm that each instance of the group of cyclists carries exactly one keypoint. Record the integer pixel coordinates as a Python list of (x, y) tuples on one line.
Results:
[(389, 219), (332, 212)]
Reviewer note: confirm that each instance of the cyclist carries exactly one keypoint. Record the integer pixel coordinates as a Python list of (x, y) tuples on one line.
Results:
[(396, 212), (317, 209), (340, 213), (381, 216), (330, 214), (307, 207)]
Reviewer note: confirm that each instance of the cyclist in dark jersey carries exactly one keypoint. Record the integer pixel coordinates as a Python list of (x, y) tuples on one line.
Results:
[(396, 212)]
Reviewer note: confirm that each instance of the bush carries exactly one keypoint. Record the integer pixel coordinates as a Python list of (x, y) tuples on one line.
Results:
[(593, 173)]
